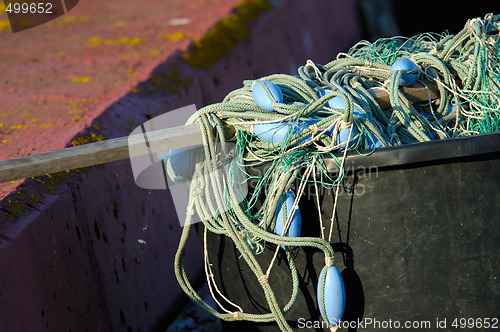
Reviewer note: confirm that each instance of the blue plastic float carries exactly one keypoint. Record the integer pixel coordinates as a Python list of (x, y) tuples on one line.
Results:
[(264, 99), (295, 222), (405, 64), (276, 132), (331, 301), (180, 160)]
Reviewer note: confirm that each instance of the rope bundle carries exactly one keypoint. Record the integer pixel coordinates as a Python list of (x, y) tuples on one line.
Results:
[(465, 68)]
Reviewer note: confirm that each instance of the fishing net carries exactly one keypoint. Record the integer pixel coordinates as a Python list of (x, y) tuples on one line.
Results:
[(463, 67)]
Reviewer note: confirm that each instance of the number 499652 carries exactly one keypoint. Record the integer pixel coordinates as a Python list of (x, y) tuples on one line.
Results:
[(475, 323), (32, 8)]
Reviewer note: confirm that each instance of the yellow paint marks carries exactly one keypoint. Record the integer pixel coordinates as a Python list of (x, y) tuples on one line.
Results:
[(51, 182), (251, 10), (79, 141), (129, 55), (15, 208), (87, 100), (124, 40), (155, 52), (4, 24), (20, 202), (174, 37), (134, 90), (157, 80), (33, 198), (36, 199), (77, 118), (75, 111), (45, 125), (97, 41), (48, 187), (131, 72), (18, 127), (82, 140), (3, 114), (98, 126), (34, 120), (1, 125), (170, 81), (120, 24), (225, 34), (82, 79), (69, 19), (217, 42), (175, 81), (96, 137), (7, 140), (94, 41)]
